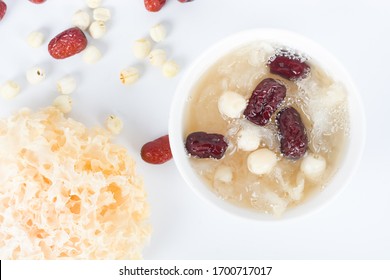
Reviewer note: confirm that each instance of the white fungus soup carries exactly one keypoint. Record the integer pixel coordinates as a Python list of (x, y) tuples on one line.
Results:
[(266, 127)]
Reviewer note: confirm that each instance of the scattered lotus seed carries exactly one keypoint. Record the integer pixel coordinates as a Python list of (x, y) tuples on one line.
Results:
[(9, 90), (170, 69), (63, 103), (114, 124), (157, 57), (129, 76), (35, 75), (158, 33), (93, 4), (91, 54), (141, 48), (66, 85), (97, 29), (35, 39), (101, 14), (81, 19)]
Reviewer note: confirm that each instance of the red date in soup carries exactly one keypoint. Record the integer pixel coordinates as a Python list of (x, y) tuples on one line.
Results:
[(264, 101), (289, 68), (205, 145), (293, 138)]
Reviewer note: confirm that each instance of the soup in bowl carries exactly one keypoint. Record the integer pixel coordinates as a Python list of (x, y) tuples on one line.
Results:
[(267, 124)]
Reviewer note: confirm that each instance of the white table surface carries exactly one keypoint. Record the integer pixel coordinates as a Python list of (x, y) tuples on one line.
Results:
[(355, 226)]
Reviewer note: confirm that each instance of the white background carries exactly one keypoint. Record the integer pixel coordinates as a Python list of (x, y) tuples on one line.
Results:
[(355, 226)]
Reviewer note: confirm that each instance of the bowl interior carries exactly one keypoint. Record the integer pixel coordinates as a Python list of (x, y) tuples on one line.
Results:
[(354, 146)]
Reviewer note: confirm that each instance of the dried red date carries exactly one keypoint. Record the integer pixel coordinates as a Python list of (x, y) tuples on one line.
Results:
[(205, 145), (293, 138), (157, 151), (290, 68), (264, 101), (67, 43)]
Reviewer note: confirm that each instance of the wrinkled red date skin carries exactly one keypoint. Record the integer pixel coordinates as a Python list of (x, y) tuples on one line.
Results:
[(205, 145), (293, 138), (157, 151), (289, 68), (264, 101), (67, 43)]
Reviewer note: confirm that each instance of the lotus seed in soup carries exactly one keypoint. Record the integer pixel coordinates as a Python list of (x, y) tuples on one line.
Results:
[(266, 127)]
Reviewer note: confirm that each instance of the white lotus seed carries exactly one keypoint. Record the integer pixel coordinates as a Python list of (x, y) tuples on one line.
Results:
[(63, 103), (261, 161), (102, 14), (66, 85), (114, 124), (157, 57), (93, 4), (313, 166), (9, 90), (248, 139), (170, 69), (129, 76), (97, 29), (81, 19), (91, 54), (35, 75), (231, 104), (35, 39), (141, 48), (158, 33)]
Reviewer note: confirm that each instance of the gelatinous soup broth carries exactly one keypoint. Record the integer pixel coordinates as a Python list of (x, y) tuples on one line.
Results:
[(321, 102)]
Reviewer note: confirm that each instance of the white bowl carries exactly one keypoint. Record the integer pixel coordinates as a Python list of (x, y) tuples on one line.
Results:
[(354, 147)]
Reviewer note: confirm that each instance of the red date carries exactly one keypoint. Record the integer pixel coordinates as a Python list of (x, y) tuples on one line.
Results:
[(205, 145), (154, 5), (157, 151), (293, 138), (289, 68), (264, 101), (67, 43)]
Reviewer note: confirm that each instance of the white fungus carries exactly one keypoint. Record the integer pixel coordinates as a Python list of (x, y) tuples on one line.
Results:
[(67, 192), (224, 174)]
